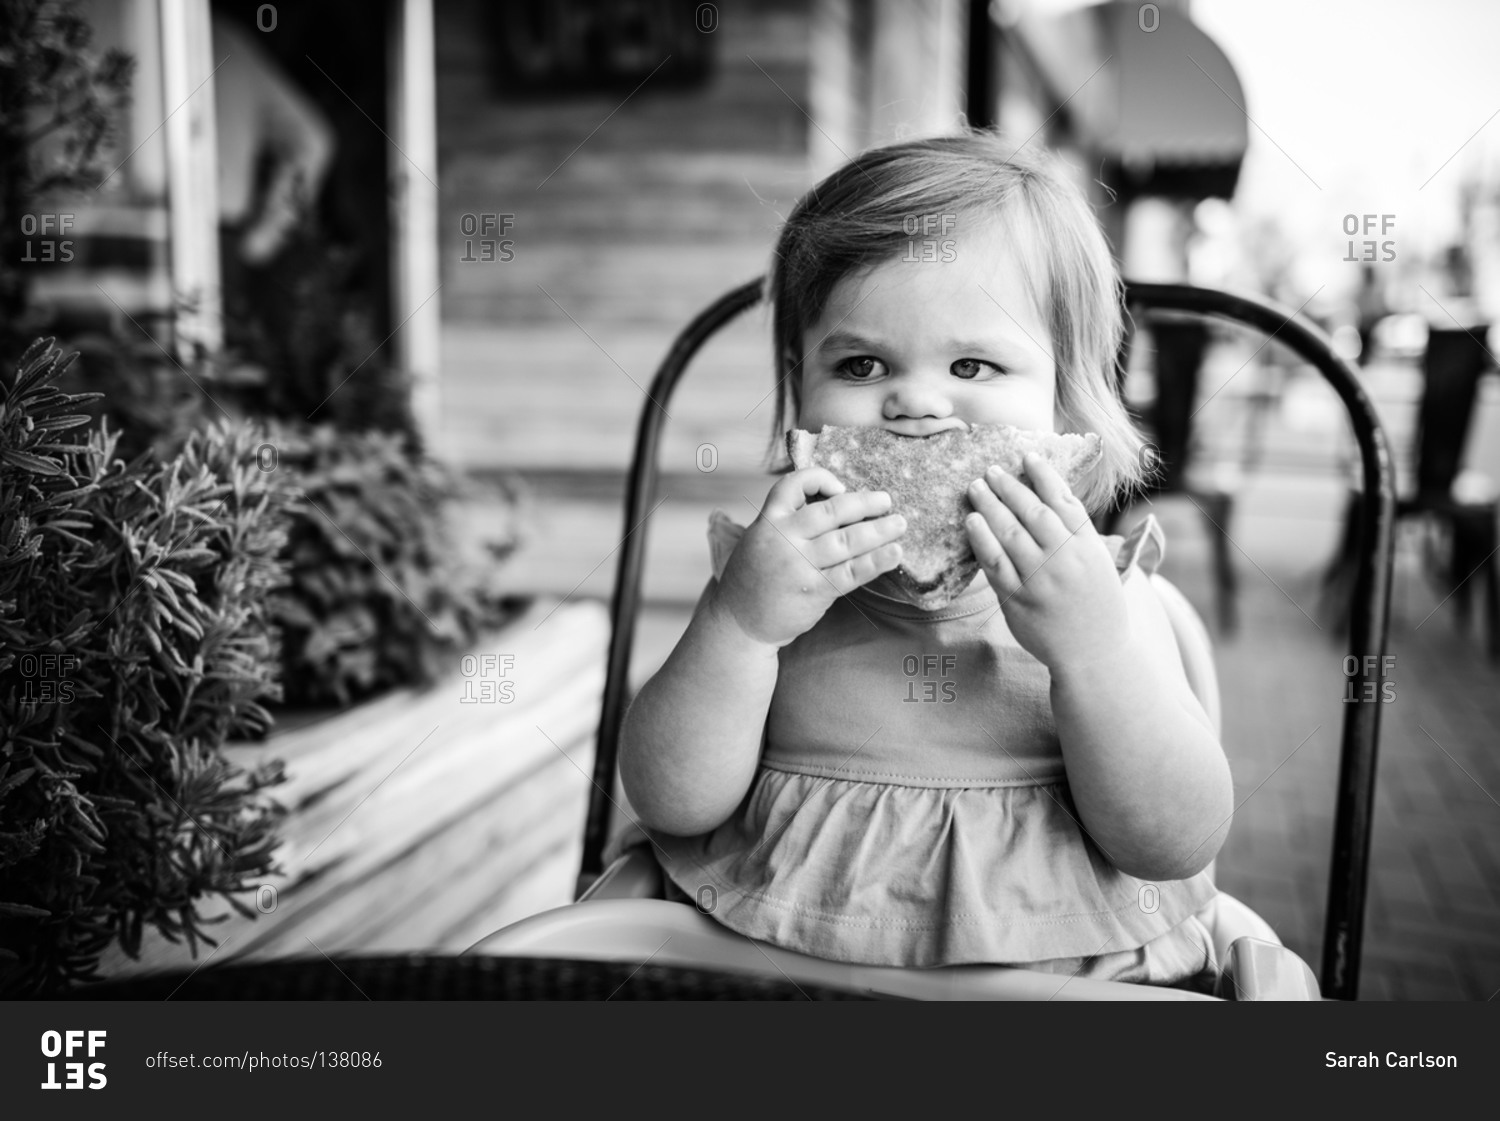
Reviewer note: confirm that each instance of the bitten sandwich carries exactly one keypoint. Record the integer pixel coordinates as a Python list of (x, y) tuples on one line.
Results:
[(927, 479)]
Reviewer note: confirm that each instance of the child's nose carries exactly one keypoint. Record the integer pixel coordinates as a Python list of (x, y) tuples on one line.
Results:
[(918, 395)]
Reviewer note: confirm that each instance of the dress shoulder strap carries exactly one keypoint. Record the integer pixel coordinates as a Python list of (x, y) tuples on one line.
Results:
[(1144, 547)]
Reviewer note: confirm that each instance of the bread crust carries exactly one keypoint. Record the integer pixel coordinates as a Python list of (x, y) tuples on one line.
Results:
[(928, 479)]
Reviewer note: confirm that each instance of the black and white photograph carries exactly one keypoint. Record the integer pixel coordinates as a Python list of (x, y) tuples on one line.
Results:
[(768, 500)]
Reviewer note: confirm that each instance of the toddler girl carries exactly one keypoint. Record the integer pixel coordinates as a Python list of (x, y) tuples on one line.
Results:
[(1043, 789)]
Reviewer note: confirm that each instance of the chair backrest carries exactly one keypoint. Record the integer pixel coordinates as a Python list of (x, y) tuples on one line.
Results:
[(1368, 616)]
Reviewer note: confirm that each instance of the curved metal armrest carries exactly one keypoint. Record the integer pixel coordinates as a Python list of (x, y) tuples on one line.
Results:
[(634, 874), (1370, 599), (1260, 970)]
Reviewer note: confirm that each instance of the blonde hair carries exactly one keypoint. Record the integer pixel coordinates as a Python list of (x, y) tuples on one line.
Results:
[(861, 215)]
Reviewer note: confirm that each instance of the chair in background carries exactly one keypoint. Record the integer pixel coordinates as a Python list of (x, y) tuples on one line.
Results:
[(1451, 368)]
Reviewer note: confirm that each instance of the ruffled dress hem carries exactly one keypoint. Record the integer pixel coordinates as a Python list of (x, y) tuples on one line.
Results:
[(889, 874)]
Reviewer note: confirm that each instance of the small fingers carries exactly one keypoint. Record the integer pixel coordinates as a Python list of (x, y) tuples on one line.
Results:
[(845, 509), (1053, 489), (844, 542), (860, 570), (795, 491), (991, 555), (1044, 523), (1016, 539)]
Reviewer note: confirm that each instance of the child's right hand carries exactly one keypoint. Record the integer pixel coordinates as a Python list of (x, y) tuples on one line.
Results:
[(799, 555)]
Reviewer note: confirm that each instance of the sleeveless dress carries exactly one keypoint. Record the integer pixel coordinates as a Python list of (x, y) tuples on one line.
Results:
[(911, 807)]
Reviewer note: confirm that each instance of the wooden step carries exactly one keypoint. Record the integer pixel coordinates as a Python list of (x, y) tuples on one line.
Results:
[(413, 814), (443, 878)]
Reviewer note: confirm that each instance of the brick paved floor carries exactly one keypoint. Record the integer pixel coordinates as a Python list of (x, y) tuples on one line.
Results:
[(1433, 917)]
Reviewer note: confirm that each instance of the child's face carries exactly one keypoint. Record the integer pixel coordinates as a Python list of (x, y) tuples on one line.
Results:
[(919, 346)]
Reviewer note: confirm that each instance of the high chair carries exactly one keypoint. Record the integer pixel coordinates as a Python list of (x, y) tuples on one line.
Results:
[(622, 915)]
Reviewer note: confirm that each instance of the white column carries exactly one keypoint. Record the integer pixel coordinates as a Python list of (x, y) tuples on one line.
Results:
[(836, 128), (916, 69), (882, 70), (192, 184), (412, 175)]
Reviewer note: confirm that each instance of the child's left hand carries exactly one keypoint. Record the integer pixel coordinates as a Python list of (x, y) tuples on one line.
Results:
[(1057, 583)]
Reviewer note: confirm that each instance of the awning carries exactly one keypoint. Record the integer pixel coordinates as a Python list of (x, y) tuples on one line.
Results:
[(1164, 106)]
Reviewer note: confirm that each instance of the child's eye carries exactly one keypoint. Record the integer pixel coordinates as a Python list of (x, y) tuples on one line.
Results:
[(862, 368), (972, 367)]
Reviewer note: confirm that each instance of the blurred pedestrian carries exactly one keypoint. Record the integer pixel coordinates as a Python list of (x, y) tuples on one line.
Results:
[(1455, 357), (275, 148)]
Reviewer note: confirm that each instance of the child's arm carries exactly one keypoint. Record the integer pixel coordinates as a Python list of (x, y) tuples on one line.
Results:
[(1145, 770), (692, 736), (691, 740)]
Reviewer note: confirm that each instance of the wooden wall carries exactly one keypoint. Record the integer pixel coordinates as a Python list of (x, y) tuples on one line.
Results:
[(651, 201), (634, 205)]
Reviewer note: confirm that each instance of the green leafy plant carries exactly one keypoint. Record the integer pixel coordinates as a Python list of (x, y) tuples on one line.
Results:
[(380, 593), (135, 636), (144, 393)]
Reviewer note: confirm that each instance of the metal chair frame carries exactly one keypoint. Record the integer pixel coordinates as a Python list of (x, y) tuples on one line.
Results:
[(1369, 605)]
